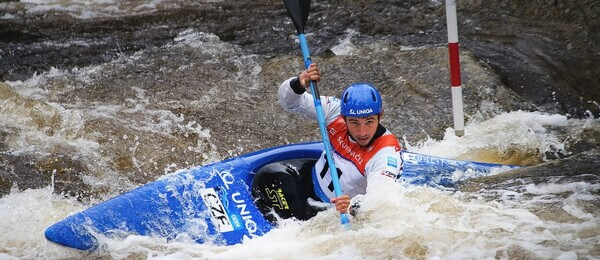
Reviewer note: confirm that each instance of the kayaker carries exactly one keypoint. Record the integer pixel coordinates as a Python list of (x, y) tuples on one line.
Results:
[(363, 150)]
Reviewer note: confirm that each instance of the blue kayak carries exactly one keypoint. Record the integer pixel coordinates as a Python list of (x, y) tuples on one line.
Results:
[(213, 203)]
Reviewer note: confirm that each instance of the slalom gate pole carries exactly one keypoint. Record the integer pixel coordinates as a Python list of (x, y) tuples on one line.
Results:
[(455, 83)]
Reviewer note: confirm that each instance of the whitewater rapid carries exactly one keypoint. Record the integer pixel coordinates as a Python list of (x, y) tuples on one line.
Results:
[(75, 136)]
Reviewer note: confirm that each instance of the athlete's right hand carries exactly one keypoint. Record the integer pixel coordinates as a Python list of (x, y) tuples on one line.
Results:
[(311, 74), (342, 203)]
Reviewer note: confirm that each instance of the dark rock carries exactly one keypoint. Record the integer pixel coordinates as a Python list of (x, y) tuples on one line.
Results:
[(26, 172), (580, 167)]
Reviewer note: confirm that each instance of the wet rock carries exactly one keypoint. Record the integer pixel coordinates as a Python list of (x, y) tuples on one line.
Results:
[(26, 172), (5, 184), (548, 57), (544, 50), (580, 167), (584, 138), (19, 172), (65, 175), (3, 136), (181, 106)]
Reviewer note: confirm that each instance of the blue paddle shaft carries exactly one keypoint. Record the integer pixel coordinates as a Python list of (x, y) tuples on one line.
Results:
[(322, 128)]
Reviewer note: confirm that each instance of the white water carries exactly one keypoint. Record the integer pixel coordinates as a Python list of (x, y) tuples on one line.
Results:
[(25, 215), (516, 129), (89, 9), (395, 222)]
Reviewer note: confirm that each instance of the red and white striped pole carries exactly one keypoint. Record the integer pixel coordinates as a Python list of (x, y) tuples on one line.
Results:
[(456, 85)]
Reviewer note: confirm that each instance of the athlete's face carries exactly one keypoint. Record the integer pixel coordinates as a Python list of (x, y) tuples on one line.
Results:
[(362, 129)]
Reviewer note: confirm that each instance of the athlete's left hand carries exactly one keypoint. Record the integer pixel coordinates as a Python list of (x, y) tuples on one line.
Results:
[(342, 203)]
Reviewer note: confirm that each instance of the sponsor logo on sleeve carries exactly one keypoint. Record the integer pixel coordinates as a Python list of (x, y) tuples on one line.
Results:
[(393, 162), (389, 174)]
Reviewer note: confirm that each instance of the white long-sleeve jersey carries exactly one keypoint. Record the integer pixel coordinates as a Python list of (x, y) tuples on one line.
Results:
[(356, 165)]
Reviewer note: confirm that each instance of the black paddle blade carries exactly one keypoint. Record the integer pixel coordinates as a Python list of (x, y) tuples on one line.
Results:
[(298, 11)]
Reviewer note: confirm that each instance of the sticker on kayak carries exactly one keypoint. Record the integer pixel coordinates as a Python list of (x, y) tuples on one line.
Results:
[(425, 160), (219, 216)]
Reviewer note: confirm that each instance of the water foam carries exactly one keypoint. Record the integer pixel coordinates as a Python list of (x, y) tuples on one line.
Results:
[(396, 221), (529, 132), (345, 46), (25, 215), (84, 9)]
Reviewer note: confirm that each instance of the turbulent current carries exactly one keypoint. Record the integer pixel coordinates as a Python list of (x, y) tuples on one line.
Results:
[(99, 97)]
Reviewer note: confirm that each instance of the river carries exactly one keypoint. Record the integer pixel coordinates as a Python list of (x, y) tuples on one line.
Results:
[(99, 97)]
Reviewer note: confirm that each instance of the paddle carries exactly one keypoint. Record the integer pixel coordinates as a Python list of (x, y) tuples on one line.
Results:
[(298, 11)]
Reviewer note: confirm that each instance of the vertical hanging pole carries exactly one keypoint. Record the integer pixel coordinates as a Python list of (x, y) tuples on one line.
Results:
[(455, 83)]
